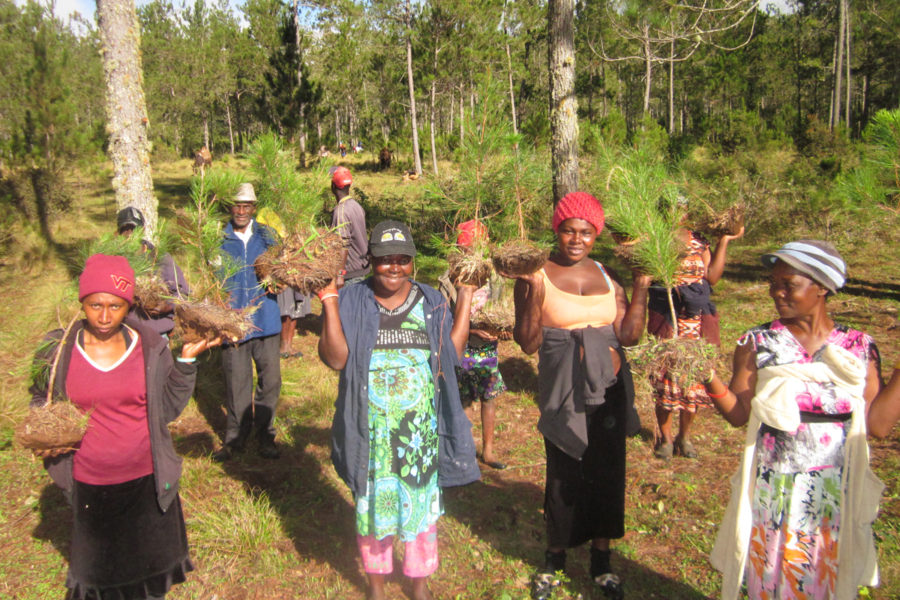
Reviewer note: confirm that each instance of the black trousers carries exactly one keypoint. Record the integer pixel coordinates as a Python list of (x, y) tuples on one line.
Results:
[(248, 411)]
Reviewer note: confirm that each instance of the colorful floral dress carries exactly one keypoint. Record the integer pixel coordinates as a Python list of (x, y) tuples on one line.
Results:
[(796, 501), (479, 372), (668, 394), (402, 496)]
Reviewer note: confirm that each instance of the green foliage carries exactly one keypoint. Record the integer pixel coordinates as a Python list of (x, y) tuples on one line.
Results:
[(877, 179), (651, 138), (131, 247)]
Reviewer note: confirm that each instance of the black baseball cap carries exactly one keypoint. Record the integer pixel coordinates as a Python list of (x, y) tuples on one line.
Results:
[(129, 217), (391, 237)]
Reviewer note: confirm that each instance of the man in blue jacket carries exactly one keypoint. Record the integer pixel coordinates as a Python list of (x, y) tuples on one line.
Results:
[(244, 240)]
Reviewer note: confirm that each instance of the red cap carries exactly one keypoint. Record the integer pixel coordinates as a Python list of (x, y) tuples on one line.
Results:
[(105, 273), (469, 232), (579, 205), (341, 177)]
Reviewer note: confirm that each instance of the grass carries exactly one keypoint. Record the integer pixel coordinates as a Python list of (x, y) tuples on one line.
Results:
[(285, 529)]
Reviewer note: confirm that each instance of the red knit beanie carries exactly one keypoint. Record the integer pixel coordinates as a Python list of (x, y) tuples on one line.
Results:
[(105, 273), (469, 232), (579, 205)]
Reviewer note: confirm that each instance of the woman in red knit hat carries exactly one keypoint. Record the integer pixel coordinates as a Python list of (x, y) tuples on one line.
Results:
[(128, 534), (579, 317)]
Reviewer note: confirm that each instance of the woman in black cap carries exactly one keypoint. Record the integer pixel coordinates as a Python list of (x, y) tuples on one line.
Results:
[(799, 521), (399, 432)]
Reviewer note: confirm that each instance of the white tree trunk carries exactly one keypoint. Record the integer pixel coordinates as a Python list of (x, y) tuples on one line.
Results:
[(512, 92), (838, 67), (563, 105), (672, 88), (648, 69), (126, 109), (847, 41), (230, 128), (414, 124)]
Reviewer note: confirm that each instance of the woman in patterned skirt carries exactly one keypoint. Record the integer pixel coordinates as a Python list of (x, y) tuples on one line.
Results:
[(799, 523), (696, 318), (397, 344)]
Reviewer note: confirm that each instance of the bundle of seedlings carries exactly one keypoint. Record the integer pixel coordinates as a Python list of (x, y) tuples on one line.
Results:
[(470, 266), (150, 291), (307, 256), (519, 256), (207, 314), (643, 210), (716, 222), (54, 425), (685, 361)]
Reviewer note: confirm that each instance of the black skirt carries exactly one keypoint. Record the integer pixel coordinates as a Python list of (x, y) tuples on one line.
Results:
[(585, 499), (123, 546)]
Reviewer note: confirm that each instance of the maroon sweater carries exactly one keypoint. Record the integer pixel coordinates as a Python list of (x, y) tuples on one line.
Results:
[(116, 446)]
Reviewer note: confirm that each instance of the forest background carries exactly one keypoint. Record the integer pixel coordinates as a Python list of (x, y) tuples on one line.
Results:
[(794, 115)]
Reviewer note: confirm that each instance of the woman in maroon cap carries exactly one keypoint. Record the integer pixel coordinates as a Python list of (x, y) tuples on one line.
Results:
[(579, 318), (128, 536)]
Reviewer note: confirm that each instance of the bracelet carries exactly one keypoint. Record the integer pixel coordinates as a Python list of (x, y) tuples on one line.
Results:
[(718, 396), (182, 359), (329, 295)]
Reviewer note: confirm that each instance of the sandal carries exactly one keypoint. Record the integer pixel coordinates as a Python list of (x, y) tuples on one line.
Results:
[(686, 449), (610, 585), (664, 450), (542, 585)]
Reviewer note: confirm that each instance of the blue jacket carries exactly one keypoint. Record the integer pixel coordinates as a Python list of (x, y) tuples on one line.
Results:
[(244, 286), (350, 429)]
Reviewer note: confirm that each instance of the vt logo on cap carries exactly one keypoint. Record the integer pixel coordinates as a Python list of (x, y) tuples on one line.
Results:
[(120, 283)]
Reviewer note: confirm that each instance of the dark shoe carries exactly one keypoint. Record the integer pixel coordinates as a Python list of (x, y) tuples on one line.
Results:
[(269, 450), (223, 454), (685, 449), (664, 450), (494, 464)]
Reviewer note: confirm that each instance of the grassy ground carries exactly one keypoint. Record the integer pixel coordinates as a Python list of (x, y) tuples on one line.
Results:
[(285, 529)]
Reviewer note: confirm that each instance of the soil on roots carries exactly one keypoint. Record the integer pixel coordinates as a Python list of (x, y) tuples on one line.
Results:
[(204, 321), (303, 264), (468, 269), (518, 257)]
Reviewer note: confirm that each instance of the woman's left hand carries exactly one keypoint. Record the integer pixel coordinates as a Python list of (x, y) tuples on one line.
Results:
[(730, 237), (194, 349)]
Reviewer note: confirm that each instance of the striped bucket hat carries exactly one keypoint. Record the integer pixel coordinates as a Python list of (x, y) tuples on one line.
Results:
[(817, 259)]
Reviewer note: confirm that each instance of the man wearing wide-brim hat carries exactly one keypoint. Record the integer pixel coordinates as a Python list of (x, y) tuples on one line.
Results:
[(250, 410)]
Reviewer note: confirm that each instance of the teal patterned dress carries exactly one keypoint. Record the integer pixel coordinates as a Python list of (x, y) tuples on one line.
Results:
[(402, 496)]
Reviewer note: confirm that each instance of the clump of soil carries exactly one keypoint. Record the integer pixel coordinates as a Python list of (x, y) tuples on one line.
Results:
[(685, 361), (728, 222), (205, 321), (151, 293), (625, 245), (468, 268), (54, 426), (306, 263), (518, 257)]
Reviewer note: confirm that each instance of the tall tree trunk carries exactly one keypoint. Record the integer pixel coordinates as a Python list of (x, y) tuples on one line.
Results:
[(126, 109), (230, 128), (462, 115), (301, 121), (838, 66), (672, 88), (847, 43), (414, 124), (563, 104), (434, 164), (206, 131), (648, 69), (512, 92)]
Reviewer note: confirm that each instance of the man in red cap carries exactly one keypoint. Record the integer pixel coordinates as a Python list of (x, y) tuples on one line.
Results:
[(350, 220)]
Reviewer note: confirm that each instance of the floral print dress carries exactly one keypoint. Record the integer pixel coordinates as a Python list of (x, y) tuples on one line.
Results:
[(402, 496), (796, 501)]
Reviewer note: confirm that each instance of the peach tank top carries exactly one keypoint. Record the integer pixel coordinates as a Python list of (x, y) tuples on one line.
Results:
[(564, 310)]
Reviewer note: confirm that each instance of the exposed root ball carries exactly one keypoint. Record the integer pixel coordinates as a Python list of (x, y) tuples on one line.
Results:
[(685, 361), (468, 269), (305, 262), (203, 321), (150, 293), (725, 223), (55, 426), (518, 257), (496, 318)]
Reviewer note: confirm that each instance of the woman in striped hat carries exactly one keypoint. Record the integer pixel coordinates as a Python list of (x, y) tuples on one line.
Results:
[(799, 523)]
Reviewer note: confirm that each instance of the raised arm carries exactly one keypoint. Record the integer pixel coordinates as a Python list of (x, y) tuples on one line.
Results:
[(716, 265), (460, 331), (528, 296), (734, 401), (333, 348), (631, 316)]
